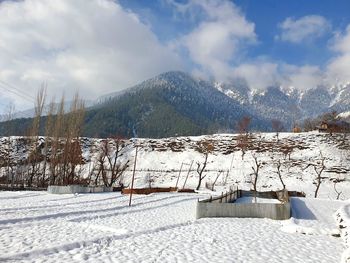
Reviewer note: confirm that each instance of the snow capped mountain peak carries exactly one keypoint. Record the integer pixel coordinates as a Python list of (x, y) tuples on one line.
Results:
[(344, 115), (289, 102)]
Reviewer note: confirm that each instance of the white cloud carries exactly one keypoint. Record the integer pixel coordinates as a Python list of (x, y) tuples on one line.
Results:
[(302, 77), (218, 38), (339, 66), (262, 73), (94, 46), (258, 74), (306, 28)]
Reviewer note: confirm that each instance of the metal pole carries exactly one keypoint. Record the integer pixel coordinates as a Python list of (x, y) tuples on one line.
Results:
[(133, 177), (179, 175), (187, 175)]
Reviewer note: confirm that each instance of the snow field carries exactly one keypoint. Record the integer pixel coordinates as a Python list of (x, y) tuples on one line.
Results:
[(39, 227)]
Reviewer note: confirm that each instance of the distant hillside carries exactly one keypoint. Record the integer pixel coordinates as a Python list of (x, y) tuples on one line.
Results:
[(169, 104)]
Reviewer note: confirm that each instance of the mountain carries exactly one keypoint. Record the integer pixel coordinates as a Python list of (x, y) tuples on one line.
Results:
[(175, 103), (289, 104), (169, 104)]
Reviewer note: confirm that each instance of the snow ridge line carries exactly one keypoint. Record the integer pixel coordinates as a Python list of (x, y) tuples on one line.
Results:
[(59, 215), (20, 197), (79, 219), (101, 241), (58, 205)]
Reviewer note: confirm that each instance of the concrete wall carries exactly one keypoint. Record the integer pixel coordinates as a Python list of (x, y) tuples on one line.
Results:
[(72, 189), (224, 206), (258, 210)]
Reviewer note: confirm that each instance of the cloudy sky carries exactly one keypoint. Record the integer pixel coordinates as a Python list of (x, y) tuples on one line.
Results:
[(101, 46)]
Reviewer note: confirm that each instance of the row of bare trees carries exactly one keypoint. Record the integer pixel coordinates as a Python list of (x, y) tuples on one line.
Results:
[(54, 158)]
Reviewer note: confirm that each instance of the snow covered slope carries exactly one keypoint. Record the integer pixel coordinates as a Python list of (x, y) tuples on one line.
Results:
[(159, 161)]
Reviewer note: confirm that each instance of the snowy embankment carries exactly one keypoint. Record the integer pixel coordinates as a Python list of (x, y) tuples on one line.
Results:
[(342, 217), (41, 227), (171, 162), (161, 164)]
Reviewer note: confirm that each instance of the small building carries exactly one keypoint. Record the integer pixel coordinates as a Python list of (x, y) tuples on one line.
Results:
[(296, 129), (334, 126)]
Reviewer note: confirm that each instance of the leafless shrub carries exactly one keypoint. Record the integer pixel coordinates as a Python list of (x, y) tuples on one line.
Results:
[(243, 139), (205, 147), (278, 166), (110, 162), (256, 169), (319, 167), (277, 126)]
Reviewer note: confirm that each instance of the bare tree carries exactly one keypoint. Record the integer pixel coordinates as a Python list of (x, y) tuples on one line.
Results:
[(149, 180), (279, 164), (56, 147), (217, 177), (277, 126), (205, 147), (8, 156), (319, 167), (256, 169), (112, 165), (72, 155), (66, 155), (339, 193), (100, 167), (242, 139), (35, 156), (318, 171), (243, 125), (48, 134), (287, 150)]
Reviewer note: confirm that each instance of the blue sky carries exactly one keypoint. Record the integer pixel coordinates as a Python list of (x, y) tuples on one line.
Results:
[(102, 46), (266, 15)]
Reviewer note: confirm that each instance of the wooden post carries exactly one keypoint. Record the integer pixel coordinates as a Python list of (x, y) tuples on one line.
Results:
[(133, 176), (189, 170), (179, 175)]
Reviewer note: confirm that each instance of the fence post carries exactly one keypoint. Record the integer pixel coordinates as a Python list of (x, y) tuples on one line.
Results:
[(222, 196), (133, 176), (178, 177), (187, 175)]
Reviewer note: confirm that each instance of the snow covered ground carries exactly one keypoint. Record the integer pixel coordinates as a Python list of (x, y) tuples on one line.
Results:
[(40, 227)]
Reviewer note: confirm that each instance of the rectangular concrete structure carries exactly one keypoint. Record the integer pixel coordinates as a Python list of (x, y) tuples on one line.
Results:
[(73, 189), (225, 206), (273, 211)]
